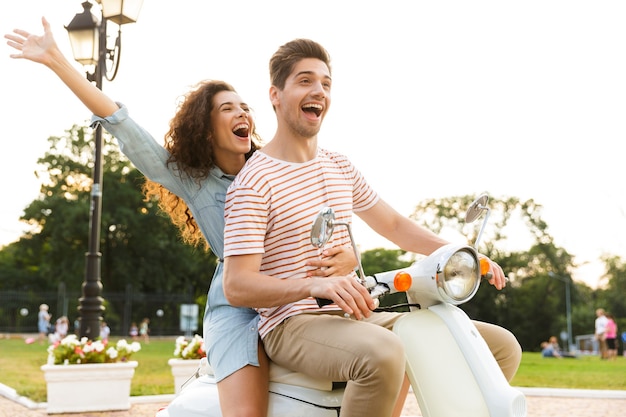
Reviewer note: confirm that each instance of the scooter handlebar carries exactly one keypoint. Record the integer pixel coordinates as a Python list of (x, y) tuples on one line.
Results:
[(321, 302)]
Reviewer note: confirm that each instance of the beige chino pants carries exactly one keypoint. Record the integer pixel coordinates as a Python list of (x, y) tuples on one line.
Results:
[(365, 353)]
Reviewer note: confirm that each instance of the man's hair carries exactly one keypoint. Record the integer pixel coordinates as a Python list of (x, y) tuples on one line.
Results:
[(288, 55)]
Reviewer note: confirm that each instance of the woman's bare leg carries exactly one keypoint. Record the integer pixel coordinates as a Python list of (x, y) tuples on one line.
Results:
[(397, 409), (245, 392)]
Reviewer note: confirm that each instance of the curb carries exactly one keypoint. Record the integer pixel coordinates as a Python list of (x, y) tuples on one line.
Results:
[(12, 395), (573, 393)]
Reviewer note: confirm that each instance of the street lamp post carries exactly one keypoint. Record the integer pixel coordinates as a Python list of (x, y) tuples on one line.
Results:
[(88, 37), (568, 308)]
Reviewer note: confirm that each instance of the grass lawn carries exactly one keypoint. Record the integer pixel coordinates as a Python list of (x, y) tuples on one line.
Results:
[(20, 363), (20, 367), (585, 372)]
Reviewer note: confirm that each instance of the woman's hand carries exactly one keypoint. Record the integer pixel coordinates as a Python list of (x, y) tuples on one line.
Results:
[(32, 47), (336, 261)]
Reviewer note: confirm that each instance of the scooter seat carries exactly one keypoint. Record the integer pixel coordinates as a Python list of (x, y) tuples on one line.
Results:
[(283, 375)]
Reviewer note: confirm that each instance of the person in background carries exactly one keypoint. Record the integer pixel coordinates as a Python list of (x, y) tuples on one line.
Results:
[(43, 322), (611, 337), (555, 345), (105, 331), (600, 332), (548, 350), (61, 327), (144, 330), (134, 331)]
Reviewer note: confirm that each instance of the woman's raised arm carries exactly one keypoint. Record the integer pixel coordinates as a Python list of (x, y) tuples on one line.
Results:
[(44, 50)]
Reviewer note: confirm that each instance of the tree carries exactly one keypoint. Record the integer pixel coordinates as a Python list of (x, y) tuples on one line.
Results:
[(381, 260), (532, 306), (139, 245), (612, 297)]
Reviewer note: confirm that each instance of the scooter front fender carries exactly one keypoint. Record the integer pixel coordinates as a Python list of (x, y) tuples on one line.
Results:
[(451, 368)]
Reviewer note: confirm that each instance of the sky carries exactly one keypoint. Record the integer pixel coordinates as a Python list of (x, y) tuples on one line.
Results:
[(430, 99)]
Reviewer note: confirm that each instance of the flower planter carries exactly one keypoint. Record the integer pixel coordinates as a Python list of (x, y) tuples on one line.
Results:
[(183, 369), (88, 387)]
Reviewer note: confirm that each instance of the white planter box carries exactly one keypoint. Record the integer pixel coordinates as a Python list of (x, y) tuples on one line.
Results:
[(89, 387), (183, 370)]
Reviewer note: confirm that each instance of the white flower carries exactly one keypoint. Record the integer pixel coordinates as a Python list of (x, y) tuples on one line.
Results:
[(189, 349), (112, 352), (71, 350)]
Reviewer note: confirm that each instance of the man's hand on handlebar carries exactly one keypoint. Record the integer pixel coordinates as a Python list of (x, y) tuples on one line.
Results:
[(495, 275), (345, 291)]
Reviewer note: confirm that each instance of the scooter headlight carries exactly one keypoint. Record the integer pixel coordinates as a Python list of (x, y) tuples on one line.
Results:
[(459, 278)]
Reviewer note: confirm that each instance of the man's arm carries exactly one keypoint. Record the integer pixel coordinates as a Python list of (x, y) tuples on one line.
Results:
[(245, 286), (410, 236), (401, 230)]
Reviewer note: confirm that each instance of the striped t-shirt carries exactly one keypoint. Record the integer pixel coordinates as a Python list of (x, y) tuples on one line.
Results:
[(270, 208)]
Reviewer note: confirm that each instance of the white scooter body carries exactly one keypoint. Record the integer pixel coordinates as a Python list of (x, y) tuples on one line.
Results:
[(451, 369), (449, 365), (291, 394), (454, 372)]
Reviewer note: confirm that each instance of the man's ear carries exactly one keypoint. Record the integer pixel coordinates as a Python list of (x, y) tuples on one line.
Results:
[(274, 96)]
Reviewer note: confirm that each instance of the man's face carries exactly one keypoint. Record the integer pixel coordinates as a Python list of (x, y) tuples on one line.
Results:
[(304, 101)]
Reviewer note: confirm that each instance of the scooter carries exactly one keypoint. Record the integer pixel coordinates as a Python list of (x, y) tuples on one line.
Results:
[(449, 365)]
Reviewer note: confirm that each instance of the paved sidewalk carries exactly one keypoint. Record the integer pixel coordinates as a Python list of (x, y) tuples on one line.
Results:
[(541, 402)]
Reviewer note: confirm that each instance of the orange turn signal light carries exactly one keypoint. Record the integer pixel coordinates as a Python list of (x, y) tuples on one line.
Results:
[(484, 267), (402, 281)]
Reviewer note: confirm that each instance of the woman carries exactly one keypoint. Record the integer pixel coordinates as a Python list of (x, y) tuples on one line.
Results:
[(611, 337), (190, 175)]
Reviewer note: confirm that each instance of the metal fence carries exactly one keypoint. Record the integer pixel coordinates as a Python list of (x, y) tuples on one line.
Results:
[(19, 309)]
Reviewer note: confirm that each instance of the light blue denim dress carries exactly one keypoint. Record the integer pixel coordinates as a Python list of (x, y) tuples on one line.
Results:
[(230, 333)]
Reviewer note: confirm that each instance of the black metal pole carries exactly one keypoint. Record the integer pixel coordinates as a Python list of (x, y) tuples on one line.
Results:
[(91, 303), (569, 313), (568, 307)]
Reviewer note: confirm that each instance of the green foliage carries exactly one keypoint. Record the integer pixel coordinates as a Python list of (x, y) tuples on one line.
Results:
[(381, 260), (72, 350), (611, 297), (142, 252), (533, 304), (20, 364), (190, 348), (139, 245), (584, 372)]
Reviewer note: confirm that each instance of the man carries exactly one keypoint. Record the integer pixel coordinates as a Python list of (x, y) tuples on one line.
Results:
[(600, 332), (269, 210)]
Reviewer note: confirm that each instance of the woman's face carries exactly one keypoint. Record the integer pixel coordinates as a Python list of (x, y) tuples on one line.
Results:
[(233, 125)]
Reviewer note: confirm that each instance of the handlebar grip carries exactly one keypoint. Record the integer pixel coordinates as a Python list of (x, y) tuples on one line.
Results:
[(321, 302)]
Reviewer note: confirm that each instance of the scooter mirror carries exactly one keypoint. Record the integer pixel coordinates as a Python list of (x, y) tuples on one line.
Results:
[(476, 208), (322, 230), (323, 226)]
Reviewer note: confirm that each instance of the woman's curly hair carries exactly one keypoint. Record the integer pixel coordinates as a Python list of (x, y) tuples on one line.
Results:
[(189, 143)]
